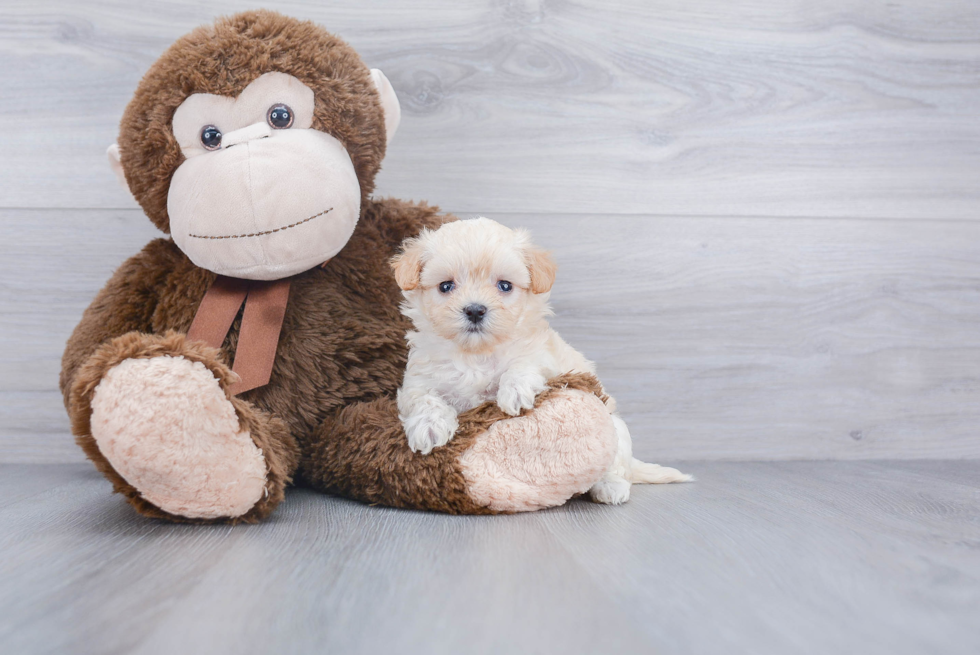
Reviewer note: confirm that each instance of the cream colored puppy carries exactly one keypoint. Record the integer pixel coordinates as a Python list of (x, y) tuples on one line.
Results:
[(478, 293)]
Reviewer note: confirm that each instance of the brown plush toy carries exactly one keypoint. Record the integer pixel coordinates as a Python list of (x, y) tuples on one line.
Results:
[(262, 344)]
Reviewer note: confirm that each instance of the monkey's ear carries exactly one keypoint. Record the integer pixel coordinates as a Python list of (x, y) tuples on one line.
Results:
[(407, 264), (115, 163), (389, 103), (541, 267)]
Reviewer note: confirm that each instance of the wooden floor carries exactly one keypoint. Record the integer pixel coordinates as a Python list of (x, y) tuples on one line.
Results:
[(776, 557)]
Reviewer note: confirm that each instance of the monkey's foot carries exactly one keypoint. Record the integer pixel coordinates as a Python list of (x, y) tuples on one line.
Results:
[(153, 412), (543, 458), (168, 428)]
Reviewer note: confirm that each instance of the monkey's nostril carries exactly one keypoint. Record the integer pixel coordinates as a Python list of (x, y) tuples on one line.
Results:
[(475, 312)]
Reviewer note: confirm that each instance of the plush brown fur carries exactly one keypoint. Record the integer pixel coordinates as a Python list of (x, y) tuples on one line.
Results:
[(362, 452), (342, 351), (343, 342)]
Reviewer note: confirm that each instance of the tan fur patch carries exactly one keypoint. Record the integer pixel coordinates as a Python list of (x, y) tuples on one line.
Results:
[(407, 265), (168, 428), (575, 443), (542, 267)]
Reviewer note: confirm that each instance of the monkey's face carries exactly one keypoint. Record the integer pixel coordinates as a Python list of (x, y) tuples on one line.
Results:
[(254, 141), (261, 195)]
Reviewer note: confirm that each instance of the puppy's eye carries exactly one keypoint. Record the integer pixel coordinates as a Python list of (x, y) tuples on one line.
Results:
[(505, 286), (447, 286), (280, 116), (211, 137)]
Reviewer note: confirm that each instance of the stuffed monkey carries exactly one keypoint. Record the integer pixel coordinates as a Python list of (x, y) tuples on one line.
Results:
[(260, 344)]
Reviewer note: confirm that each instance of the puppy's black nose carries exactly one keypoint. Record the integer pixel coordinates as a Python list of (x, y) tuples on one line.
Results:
[(474, 312)]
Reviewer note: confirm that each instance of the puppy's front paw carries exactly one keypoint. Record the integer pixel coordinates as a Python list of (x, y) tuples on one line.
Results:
[(517, 392), (430, 430)]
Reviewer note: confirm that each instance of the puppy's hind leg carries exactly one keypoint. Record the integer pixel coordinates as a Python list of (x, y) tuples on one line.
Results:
[(614, 487)]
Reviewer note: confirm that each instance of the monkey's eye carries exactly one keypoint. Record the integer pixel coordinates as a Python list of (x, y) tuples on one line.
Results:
[(211, 137), (505, 286), (447, 286), (280, 116)]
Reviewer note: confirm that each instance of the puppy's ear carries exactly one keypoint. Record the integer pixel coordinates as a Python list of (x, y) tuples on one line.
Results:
[(541, 267), (407, 264)]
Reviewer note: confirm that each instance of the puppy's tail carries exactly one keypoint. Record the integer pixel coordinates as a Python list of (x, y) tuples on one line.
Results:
[(644, 473)]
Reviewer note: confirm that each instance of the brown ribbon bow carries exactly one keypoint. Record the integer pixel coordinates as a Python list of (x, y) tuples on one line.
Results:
[(265, 308)]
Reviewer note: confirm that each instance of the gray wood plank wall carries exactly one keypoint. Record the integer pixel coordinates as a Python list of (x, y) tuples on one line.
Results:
[(767, 213)]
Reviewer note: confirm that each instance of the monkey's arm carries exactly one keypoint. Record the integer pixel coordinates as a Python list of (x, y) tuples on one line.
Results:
[(125, 304), (494, 463), (129, 351)]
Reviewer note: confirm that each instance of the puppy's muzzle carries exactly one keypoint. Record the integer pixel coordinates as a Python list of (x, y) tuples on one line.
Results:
[(475, 313)]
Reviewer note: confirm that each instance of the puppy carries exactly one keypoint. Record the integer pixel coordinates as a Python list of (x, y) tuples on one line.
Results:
[(477, 293)]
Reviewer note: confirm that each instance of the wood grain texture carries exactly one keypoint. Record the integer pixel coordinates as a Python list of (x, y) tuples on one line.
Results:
[(780, 558), (771, 339), (832, 108), (721, 338), (748, 332), (788, 557)]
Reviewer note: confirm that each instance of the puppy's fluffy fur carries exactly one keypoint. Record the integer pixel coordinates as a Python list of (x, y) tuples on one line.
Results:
[(478, 293)]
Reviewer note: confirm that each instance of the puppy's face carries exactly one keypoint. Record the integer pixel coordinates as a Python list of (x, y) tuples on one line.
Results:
[(474, 282)]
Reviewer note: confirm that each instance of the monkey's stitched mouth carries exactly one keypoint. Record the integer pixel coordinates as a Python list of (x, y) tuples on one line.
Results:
[(259, 234)]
